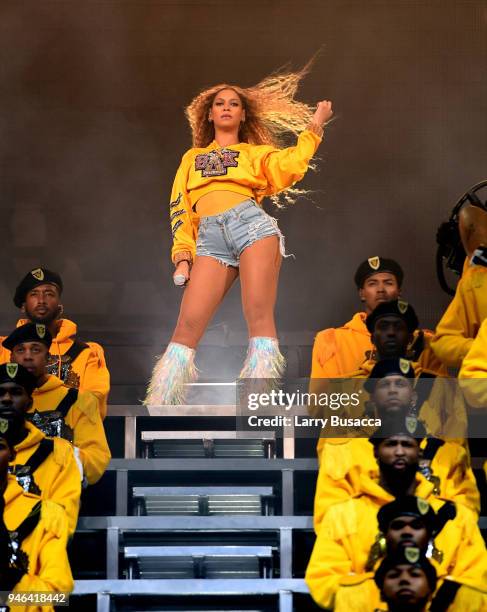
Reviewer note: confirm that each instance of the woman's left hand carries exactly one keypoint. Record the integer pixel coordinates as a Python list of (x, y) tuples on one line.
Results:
[(323, 113)]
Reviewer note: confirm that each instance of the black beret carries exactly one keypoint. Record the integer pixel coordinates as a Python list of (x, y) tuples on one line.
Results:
[(14, 372), (29, 332), (38, 276), (384, 367), (374, 265), (398, 426), (398, 308), (408, 505), (406, 555)]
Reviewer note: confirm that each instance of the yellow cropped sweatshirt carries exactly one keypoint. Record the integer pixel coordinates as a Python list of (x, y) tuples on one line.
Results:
[(254, 171)]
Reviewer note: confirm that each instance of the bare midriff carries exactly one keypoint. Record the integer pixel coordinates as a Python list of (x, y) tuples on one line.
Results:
[(217, 202)]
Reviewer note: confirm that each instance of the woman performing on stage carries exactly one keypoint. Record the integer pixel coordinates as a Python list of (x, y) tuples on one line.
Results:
[(220, 230)]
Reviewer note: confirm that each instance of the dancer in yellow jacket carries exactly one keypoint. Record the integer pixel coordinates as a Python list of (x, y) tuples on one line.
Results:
[(348, 543), (56, 409), (339, 351), (446, 463), (220, 230), (33, 539), (80, 365), (461, 322), (42, 466)]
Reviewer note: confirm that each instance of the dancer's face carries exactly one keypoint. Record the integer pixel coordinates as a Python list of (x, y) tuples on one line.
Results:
[(42, 304), (377, 288), (33, 356), (405, 584), (227, 111), (407, 531), (391, 336), (398, 453), (393, 393)]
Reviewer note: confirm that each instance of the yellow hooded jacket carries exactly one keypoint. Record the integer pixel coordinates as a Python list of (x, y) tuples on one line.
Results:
[(57, 477), (463, 317), (345, 462), (336, 570), (90, 365), (254, 171), (48, 569), (339, 352), (84, 419)]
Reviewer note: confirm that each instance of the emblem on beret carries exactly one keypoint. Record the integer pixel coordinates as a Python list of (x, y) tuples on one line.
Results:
[(402, 305), (12, 369), (404, 365), (41, 330), (412, 554), (38, 274), (411, 424), (374, 262), (3, 425), (423, 506)]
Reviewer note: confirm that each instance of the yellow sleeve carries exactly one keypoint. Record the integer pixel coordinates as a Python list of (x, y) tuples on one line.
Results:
[(457, 481), (89, 436), (66, 486), (469, 600), (49, 569), (452, 342), (96, 377), (339, 476), (284, 167), (340, 552), (329, 562), (184, 239), (473, 374), (470, 563), (324, 349)]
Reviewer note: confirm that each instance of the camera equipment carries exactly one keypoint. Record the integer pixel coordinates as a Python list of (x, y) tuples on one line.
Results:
[(451, 253)]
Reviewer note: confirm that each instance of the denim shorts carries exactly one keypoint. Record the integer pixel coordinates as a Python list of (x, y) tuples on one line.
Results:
[(225, 236)]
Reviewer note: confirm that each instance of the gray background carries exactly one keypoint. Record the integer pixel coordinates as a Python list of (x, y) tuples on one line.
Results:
[(92, 129)]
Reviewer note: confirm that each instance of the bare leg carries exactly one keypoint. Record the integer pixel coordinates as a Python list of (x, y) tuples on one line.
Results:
[(208, 285), (259, 275)]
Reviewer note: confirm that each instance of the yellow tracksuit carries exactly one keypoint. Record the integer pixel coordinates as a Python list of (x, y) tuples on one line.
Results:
[(48, 569), (346, 462), (254, 171), (85, 421), (463, 317), (336, 570), (90, 365), (58, 476)]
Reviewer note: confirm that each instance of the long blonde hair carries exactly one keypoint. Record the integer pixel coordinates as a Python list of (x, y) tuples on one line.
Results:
[(270, 110)]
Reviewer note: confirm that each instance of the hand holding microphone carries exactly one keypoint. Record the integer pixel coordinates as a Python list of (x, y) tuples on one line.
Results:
[(181, 274)]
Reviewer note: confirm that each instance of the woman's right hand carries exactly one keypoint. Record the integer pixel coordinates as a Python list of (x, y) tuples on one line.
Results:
[(181, 274), (323, 113)]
